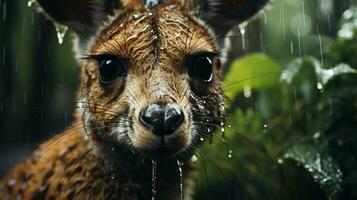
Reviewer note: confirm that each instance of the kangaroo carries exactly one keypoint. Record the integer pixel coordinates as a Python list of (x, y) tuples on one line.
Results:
[(150, 93)]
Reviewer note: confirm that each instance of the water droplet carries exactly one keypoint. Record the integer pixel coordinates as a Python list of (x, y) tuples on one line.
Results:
[(180, 164), (247, 92), (113, 149), (230, 152), (319, 85), (153, 179), (280, 161), (202, 139), (11, 182), (61, 32), (152, 2), (316, 135), (194, 158), (265, 126), (30, 3), (242, 30)]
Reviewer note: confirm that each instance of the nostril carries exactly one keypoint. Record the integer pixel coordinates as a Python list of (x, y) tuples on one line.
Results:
[(152, 117), (162, 119), (173, 117)]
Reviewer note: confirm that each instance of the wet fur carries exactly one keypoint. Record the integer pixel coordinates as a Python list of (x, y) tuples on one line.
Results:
[(106, 153)]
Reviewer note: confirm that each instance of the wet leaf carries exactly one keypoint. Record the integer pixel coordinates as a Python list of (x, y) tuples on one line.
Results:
[(321, 166), (253, 71), (301, 78), (327, 74)]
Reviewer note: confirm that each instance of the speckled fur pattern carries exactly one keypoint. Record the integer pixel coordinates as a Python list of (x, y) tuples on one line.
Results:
[(106, 153)]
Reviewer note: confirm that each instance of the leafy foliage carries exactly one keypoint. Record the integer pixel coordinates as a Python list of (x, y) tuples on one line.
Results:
[(296, 139)]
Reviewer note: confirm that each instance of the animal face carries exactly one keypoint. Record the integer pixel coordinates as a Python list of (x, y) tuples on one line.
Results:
[(151, 79)]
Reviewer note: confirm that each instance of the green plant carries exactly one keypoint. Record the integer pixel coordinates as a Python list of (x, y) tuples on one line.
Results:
[(290, 131)]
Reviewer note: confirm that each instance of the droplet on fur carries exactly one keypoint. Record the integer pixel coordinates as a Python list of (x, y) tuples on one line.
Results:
[(194, 158), (11, 183), (61, 32)]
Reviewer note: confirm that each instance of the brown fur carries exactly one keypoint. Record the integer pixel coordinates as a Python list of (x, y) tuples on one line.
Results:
[(107, 153)]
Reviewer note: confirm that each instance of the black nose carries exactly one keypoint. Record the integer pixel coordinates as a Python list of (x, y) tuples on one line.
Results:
[(162, 119)]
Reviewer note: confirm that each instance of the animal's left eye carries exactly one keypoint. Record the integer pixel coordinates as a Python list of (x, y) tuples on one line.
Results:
[(111, 68), (200, 66)]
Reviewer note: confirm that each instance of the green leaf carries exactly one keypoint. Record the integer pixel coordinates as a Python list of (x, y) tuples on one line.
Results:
[(325, 75), (301, 78), (299, 68), (321, 166), (250, 72)]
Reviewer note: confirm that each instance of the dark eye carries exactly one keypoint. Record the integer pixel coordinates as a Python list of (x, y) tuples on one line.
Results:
[(200, 66), (110, 68)]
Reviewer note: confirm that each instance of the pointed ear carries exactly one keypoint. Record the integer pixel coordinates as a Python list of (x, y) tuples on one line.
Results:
[(82, 16), (222, 15)]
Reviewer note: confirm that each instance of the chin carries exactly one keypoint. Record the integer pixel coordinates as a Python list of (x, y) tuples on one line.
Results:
[(163, 147)]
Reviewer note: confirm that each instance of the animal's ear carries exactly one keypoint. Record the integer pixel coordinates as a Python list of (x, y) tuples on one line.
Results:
[(82, 16), (222, 15)]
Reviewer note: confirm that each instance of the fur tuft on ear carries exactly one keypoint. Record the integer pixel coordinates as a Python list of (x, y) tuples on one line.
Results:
[(222, 15), (82, 16)]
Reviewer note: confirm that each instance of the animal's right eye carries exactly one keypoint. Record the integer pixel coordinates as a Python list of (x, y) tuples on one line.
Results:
[(110, 68), (200, 66)]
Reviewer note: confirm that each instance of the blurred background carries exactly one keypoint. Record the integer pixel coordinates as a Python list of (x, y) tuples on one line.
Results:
[(39, 77)]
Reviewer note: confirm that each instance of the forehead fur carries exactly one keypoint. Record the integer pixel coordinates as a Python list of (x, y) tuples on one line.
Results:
[(153, 33)]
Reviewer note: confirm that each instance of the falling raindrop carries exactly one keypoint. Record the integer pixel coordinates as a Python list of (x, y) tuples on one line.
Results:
[(4, 9), (153, 179), (321, 51), (180, 164), (242, 30), (292, 47), (299, 39), (61, 32)]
